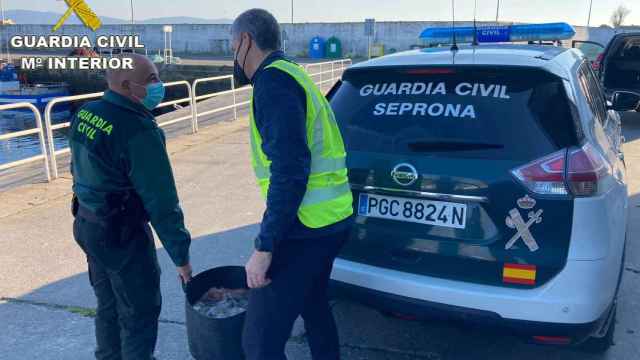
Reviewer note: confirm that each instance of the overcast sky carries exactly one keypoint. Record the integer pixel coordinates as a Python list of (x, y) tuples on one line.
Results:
[(573, 11)]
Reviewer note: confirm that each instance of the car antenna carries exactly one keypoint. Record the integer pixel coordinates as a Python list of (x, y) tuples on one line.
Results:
[(454, 47), (475, 26)]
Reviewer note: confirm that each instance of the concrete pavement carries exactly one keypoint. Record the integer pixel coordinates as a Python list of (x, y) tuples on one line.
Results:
[(47, 301)]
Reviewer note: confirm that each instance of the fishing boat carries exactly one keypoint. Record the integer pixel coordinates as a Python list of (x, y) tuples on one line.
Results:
[(13, 90)]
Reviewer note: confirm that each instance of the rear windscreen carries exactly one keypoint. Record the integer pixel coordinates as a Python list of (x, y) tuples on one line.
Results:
[(497, 113), (630, 49)]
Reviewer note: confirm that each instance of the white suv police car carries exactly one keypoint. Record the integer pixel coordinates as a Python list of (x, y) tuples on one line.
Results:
[(489, 185)]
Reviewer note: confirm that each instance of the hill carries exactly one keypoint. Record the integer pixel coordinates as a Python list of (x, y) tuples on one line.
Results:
[(50, 18)]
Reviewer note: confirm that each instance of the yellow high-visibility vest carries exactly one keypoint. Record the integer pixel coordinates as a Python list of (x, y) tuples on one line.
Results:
[(328, 198)]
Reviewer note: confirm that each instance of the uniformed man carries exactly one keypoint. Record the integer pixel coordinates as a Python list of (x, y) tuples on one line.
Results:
[(299, 159), (122, 179)]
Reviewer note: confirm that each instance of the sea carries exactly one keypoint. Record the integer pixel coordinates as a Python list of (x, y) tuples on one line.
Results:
[(27, 146)]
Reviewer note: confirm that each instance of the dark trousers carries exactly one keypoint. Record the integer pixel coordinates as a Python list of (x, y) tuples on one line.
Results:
[(125, 277), (300, 276)]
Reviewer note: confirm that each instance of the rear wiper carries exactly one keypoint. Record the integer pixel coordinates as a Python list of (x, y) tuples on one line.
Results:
[(434, 146)]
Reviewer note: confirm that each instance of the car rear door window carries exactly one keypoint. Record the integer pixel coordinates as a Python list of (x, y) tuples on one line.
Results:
[(593, 93), (598, 94), (605, 132)]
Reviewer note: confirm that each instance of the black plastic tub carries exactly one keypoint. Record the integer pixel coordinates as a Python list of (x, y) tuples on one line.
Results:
[(214, 339)]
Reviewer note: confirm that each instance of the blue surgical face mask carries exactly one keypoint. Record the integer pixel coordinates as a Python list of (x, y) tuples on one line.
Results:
[(155, 94)]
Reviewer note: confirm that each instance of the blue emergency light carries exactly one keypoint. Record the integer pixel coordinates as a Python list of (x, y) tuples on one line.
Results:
[(496, 34)]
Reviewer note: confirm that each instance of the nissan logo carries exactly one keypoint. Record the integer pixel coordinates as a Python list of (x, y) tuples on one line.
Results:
[(404, 174)]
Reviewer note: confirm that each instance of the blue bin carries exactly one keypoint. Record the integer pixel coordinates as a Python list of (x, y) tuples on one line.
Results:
[(316, 48)]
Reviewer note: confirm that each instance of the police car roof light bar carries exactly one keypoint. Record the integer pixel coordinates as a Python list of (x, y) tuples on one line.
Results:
[(498, 34)]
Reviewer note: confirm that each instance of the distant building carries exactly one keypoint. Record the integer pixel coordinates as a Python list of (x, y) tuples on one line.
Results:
[(7, 22)]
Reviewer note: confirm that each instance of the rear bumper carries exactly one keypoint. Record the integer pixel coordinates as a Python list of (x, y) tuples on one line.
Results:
[(579, 295), (421, 309)]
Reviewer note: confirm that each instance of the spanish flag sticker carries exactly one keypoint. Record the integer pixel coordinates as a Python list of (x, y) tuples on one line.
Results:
[(519, 274)]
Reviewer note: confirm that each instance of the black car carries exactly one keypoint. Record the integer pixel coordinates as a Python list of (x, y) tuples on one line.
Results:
[(617, 63)]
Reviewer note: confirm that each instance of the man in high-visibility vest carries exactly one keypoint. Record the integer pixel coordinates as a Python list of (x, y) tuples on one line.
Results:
[(299, 160)]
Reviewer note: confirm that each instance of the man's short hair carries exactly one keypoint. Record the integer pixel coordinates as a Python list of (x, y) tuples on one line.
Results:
[(262, 26)]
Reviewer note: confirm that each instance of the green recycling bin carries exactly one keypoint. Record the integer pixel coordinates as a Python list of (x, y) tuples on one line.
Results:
[(333, 48), (377, 50)]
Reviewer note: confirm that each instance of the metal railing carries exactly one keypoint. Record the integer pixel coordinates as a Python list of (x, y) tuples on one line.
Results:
[(39, 129), (244, 88), (335, 68), (212, 95), (53, 153), (188, 99)]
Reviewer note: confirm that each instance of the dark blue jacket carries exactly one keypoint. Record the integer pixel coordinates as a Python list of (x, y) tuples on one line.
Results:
[(279, 105)]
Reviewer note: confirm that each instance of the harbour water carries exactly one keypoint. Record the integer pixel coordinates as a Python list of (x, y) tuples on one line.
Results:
[(27, 146)]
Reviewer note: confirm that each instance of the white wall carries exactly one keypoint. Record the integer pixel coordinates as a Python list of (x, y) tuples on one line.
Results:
[(214, 39)]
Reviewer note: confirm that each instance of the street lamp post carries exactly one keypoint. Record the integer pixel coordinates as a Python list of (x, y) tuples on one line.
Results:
[(498, 11), (589, 18), (168, 47), (284, 33), (4, 34), (132, 20)]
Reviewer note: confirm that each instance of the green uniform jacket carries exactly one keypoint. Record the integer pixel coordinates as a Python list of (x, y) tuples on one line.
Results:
[(116, 146)]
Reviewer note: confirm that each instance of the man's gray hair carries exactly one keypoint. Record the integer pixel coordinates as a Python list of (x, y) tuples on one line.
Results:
[(262, 26)]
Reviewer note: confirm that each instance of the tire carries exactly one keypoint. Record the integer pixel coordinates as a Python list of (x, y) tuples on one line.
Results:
[(601, 345)]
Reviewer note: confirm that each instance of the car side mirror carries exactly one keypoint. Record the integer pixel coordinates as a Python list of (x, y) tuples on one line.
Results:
[(625, 101)]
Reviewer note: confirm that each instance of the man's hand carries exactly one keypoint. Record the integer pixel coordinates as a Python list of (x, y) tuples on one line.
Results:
[(184, 272), (256, 268)]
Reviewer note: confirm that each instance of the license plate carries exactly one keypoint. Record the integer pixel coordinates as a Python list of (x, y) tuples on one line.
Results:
[(438, 213)]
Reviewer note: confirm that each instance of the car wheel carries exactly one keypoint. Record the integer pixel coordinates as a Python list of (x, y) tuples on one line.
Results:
[(601, 345)]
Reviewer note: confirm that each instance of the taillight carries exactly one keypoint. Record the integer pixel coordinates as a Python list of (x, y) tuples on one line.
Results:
[(544, 176), (551, 175), (587, 169)]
